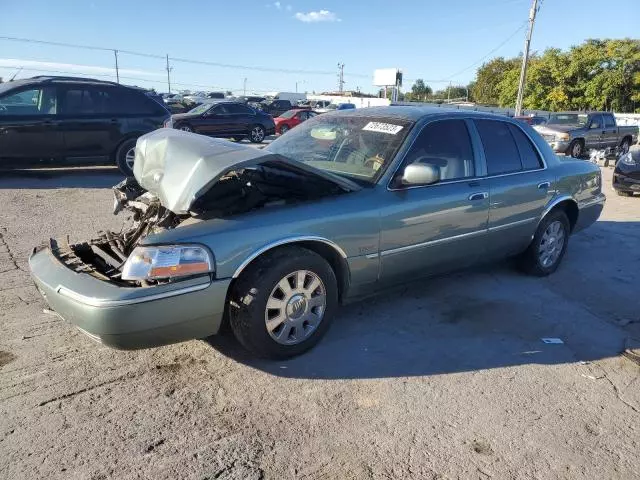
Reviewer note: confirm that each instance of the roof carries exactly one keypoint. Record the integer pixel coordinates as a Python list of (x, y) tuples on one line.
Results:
[(41, 79), (412, 113)]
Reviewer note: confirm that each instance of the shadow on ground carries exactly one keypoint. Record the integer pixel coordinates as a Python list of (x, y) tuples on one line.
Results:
[(489, 317), (51, 178)]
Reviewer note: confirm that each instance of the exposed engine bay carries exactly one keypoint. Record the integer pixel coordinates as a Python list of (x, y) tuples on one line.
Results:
[(266, 185)]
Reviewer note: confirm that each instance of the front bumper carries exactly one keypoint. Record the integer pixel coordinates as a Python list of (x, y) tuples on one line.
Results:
[(130, 318), (624, 183)]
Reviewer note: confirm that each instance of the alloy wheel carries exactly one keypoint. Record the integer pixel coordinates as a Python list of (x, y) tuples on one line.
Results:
[(130, 157), (186, 128), (295, 307), (577, 150), (257, 134), (551, 244)]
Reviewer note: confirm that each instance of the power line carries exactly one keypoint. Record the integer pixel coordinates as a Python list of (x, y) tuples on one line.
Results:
[(491, 52)]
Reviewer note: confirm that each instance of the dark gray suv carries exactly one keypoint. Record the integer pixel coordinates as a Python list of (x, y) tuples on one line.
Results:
[(47, 120)]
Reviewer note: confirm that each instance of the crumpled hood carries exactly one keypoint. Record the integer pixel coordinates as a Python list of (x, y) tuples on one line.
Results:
[(178, 167)]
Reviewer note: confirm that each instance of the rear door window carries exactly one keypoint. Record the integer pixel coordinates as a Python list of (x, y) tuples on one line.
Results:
[(500, 149), (528, 154), (238, 109), (77, 101)]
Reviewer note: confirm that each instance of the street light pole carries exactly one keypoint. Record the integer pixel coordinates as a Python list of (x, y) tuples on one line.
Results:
[(115, 54), (245, 86), (168, 76), (525, 57)]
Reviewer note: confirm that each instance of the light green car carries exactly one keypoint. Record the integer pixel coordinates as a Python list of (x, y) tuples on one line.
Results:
[(342, 206)]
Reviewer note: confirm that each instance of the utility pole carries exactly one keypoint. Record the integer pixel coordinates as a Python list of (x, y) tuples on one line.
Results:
[(245, 86), (115, 54), (525, 56), (449, 93), (168, 74), (340, 77)]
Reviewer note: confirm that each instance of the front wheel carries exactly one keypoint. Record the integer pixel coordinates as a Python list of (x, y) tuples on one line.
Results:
[(185, 128), (283, 303), (284, 129), (624, 146), (548, 246), (257, 134)]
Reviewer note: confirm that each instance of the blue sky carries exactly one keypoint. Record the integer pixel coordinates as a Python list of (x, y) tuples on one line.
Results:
[(439, 41)]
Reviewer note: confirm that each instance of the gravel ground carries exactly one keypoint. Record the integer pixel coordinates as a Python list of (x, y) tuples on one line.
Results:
[(446, 378)]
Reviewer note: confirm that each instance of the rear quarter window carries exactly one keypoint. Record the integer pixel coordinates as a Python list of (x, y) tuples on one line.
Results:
[(528, 154)]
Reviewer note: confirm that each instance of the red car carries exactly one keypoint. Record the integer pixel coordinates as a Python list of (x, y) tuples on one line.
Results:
[(291, 118)]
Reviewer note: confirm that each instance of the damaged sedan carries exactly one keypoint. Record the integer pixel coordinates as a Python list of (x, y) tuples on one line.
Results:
[(272, 241)]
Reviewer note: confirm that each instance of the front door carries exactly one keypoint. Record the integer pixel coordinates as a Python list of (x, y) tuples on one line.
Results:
[(520, 186), (594, 133), (28, 125), (215, 122), (434, 228)]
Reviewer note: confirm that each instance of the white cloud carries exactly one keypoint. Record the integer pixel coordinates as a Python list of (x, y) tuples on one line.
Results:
[(277, 5), (321, 16), (68, 67)]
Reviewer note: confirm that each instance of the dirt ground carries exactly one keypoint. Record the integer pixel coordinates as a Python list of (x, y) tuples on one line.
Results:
[(446, 378)]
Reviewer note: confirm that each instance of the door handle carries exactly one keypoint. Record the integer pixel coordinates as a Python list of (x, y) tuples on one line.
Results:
[(479, 196), (544, 185)]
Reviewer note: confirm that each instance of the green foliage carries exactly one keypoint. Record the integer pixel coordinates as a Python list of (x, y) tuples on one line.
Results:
[(596, 75)]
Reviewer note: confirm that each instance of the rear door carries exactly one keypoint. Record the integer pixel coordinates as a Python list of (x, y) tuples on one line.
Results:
[(610, 135), (86, 126), (520, 186), (29, 125), (241, 117), (438, 227), (595, 132)]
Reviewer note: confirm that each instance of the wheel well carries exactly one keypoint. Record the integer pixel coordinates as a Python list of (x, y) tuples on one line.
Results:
[(338, 264), (128, 137), (626, 137), (570, 208)]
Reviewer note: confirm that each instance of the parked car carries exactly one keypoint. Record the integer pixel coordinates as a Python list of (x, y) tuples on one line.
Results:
[(347, 204), (346, 106), (292, 118), (250, 99), (293, 97), (225, 119), (46, 120), (626, 175), (575, 133), (314, 104), (532, 119), (275, 108)]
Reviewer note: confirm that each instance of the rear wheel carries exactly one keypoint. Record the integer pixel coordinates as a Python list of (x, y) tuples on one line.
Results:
[(548, 246), (125, 156), (576, 149), (257, 133), (283, 303)]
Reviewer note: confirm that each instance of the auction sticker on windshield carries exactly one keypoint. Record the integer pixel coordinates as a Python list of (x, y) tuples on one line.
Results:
[(382, 127)]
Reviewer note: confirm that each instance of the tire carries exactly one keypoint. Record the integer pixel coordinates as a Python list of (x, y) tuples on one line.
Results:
[(622, 193), (259, 285), (184, 128), (532, 260), (256, 134), (625, 145), (284, 129), (124, 158), (576, 149)]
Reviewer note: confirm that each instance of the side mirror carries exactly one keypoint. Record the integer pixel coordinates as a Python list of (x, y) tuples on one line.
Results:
[(420, 174)]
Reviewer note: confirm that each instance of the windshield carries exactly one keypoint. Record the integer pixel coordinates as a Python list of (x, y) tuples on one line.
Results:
[(289, 114), (201, 108), (355, 146), (568, 119)]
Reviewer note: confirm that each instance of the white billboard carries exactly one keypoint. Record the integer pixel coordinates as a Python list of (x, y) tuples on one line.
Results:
[(385, 77)]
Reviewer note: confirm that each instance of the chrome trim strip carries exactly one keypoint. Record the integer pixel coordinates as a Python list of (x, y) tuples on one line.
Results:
[(286, 241), (553, 203), (598, 199), (391, 251), (512, 224), (104, 302), (371, 256)]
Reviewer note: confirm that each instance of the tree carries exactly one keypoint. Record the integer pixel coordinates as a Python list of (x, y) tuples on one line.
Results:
[(420, 91), (488, 77)]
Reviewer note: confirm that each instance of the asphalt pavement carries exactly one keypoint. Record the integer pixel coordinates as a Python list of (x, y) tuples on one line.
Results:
[(445, 378)]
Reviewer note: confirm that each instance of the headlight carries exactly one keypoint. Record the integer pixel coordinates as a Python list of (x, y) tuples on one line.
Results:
[(627, 159), (167, 261), (168, 123), (562, 136)]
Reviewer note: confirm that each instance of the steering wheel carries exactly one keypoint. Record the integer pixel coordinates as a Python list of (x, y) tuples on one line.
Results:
[(374, 162)]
